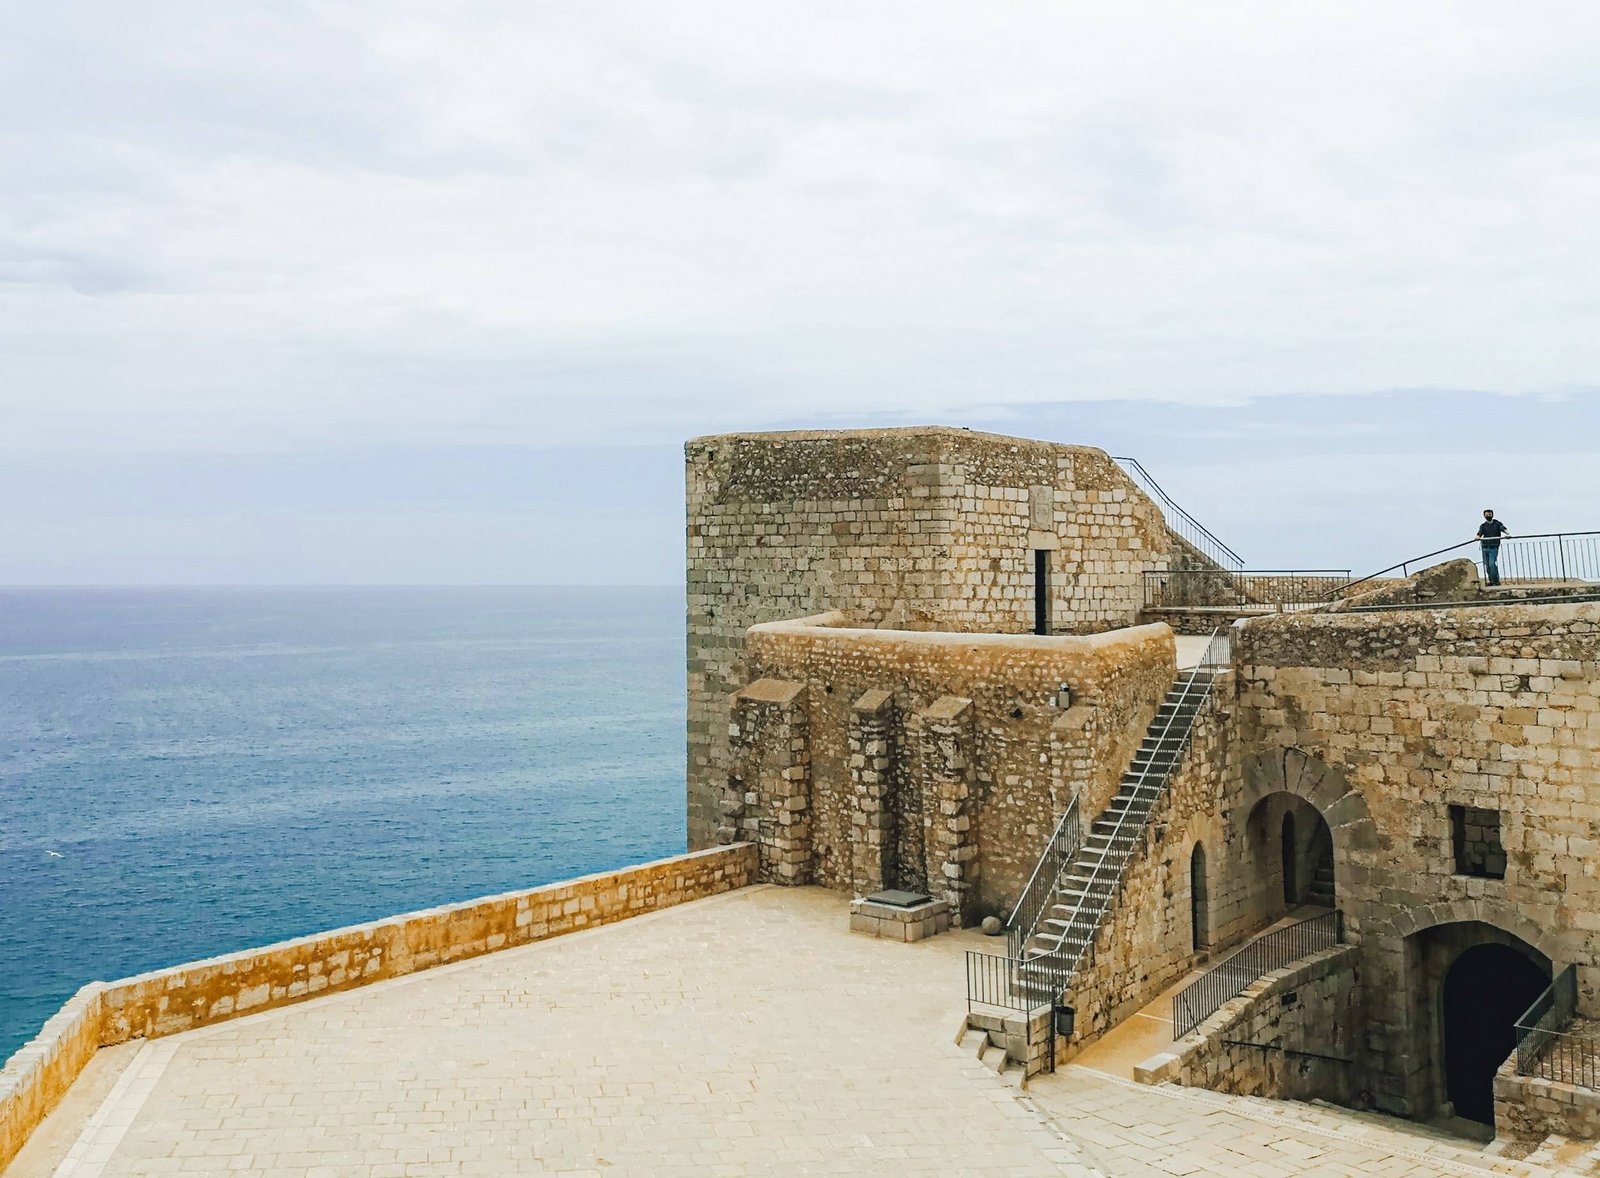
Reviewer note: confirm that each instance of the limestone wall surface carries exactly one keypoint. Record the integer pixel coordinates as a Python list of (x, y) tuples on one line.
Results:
[(919, 529), (972, 761), (1383, 722), (1295, 1034), (199, 993), (1527, 1109)]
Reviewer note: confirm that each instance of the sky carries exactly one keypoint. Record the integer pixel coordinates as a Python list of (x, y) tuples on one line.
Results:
[(381, 291)]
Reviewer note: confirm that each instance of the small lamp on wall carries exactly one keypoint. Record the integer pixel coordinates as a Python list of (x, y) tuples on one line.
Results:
[(1063, 697)]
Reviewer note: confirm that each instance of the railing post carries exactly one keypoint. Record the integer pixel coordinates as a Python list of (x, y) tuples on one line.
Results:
[(1561, 548)]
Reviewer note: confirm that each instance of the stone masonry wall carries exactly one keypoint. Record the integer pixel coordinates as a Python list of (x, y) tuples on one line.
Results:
[(937, 762), (199, 993), (1294, 1034), (1527, 1109), (920, 529), (1383, 721)]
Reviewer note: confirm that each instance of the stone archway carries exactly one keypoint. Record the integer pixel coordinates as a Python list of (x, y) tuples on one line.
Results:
[(1324, 788), (1471, 968)]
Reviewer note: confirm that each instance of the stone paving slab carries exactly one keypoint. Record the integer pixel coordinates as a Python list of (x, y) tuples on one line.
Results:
[(746, 1034)]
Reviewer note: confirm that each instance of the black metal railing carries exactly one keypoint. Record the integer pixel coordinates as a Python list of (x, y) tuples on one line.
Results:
[(1277, 589), (1180, 521), (1544, 1049), (1204, 996), (991, 981), (1551, 556), (1036, 897)]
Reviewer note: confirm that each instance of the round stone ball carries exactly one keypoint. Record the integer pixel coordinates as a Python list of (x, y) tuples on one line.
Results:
[(991, 926)]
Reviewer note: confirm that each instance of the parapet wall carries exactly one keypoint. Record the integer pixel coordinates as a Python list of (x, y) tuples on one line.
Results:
[(931, 761), (1293, 1034), (911, 529), (199, 993)]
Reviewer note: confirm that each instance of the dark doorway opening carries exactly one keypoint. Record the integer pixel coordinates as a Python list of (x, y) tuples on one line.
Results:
[(1199, 906), (1291, 872), (1041, 591), (1484, 994)]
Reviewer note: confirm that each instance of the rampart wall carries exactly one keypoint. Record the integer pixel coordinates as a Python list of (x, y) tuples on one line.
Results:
[(915, 529), (200, 993)]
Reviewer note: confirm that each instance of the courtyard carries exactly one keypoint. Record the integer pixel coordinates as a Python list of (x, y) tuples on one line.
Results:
[(745, 1034)]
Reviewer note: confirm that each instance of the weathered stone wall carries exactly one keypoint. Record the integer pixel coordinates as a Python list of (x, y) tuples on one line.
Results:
[(1527, 1109), (1147, 940), (1294, 1034), (1382, 722), (920, 529), (950, 748), (203, 992)]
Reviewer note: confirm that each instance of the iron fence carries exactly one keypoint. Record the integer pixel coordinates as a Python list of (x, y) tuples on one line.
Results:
[(1204, 996), (1179, 521), (1036, 897), (1278, 589), (1552, 556), (1546, 1051)]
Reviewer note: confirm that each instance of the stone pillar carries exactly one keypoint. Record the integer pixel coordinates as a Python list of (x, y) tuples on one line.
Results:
[(946, 747), (871, 834), (767, 799)]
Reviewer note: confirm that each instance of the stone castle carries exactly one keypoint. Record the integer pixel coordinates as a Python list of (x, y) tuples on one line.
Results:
[(1271, 873), (925, 660)]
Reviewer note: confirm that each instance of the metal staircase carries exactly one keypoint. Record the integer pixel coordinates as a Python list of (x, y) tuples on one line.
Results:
[(1056, 920)]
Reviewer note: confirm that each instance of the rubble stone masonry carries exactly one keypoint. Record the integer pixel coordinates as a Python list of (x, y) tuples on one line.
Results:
[(935, 762), (912, 529)]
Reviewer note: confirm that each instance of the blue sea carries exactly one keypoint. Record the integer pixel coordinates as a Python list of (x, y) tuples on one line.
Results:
[(186, 772)]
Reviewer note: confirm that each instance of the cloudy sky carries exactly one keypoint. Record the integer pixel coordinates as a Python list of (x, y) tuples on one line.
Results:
[(377, 290)]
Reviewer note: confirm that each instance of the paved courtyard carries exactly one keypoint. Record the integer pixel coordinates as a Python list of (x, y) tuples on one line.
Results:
[(747, 1034)]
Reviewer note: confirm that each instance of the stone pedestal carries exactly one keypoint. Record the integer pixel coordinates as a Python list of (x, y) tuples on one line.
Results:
[(899, 916)]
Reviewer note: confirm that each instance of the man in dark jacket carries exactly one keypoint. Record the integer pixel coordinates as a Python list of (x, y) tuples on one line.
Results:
[(1489, 533)]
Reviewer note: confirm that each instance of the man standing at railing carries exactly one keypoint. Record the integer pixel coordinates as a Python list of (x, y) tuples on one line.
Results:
[(1489, 533)]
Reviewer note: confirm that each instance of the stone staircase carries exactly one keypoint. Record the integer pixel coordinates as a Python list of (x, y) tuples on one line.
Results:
[(1087, 887), (1320, 893), (985, 1040)]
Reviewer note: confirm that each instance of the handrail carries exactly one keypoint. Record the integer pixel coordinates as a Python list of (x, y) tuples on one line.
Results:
[(1190, 681), (1234, 974), (1032, 903), (1543, 1050), (1223, 555), (1403, 567), (1280, 588)]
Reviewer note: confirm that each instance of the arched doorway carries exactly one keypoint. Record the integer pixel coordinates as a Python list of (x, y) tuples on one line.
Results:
[(1199, 899), (1291, 849), (1484, 992)]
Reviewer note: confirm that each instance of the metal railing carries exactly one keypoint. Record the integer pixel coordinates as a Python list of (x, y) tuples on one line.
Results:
[(1180, 521), (1204, 996), (1279, 589), (1006, 981), (1057, 854), (1549, 556), (1544, 1050)]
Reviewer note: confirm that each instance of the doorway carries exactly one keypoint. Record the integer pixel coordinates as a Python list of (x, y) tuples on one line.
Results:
[(1041, 591)]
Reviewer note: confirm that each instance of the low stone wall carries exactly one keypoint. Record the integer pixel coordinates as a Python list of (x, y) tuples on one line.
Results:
[(36, 1078), (1287, 1036), (1527, 1109), (199, 993)]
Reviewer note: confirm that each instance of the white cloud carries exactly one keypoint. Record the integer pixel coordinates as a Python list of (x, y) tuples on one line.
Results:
[(290, 224)]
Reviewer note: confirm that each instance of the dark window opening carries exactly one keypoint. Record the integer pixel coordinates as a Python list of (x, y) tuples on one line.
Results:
[(1475, 836), (1041, 591)]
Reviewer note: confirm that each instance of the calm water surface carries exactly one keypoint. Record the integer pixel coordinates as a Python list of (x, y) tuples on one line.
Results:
[(220, 768)]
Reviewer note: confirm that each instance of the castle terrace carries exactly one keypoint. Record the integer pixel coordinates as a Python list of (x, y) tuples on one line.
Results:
[(747, 1033)]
